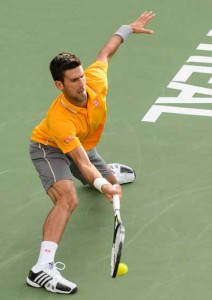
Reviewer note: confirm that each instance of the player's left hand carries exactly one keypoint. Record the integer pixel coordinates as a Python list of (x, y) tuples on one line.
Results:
[(139, 24)]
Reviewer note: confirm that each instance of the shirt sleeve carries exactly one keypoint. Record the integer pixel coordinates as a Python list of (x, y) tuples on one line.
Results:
[(64, 135), (96, 77)]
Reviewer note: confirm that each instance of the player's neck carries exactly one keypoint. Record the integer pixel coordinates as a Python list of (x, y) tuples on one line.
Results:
[(82, 104), (79, 103)]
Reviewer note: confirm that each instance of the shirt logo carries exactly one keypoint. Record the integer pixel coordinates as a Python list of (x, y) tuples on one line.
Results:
[(96, 102), (68, 139)]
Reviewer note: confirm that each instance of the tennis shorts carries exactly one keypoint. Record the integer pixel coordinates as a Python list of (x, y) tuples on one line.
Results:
[(53, 165)]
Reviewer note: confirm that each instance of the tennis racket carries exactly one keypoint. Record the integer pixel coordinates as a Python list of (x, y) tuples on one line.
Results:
[(118, 237)]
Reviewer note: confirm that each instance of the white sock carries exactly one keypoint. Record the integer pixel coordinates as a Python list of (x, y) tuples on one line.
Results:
[(47, 252)]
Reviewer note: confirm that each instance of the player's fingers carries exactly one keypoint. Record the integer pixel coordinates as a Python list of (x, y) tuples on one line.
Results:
[(150, 16), (109, 191), (146, 15), (142, 15), (117, 190), (147, 31), (147, 18)]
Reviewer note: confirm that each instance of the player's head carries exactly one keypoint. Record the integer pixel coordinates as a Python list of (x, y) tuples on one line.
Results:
[(61, 63)]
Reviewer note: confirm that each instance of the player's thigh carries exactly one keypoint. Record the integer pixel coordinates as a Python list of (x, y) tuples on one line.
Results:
[(51, 164)]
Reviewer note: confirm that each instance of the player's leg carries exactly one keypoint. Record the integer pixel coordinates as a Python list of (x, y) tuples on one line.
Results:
[(54, 172), (65, 200)]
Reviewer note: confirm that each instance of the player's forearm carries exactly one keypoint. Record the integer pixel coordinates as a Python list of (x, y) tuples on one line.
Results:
[(90, 173), (94, 178), (110, 48), (81, 160), (122, 34)]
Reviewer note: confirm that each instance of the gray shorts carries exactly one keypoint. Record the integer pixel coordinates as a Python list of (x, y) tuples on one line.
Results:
[(53, 165)]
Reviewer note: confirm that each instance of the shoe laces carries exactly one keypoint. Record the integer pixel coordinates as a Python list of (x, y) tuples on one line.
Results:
[(60, 263), (58, 266)]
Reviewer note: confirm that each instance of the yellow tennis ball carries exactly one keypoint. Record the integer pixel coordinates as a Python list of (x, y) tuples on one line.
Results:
[(122, 269)]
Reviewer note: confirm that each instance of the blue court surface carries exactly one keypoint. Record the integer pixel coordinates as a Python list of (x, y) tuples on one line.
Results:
[(159, 122)]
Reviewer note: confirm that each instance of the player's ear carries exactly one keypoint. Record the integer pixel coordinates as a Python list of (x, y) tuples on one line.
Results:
[(59, 84)]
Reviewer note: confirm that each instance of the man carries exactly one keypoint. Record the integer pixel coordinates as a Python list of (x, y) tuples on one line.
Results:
[(63, 146)]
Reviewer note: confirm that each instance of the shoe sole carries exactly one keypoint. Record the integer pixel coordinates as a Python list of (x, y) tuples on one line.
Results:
[(35, 285), (32, 284)]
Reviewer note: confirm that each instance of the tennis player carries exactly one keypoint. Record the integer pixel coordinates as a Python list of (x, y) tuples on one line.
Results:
[(63, 147)]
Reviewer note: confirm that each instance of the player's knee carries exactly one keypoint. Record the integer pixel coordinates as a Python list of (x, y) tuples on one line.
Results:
[(74, 203), (69, 202), (64, 194)]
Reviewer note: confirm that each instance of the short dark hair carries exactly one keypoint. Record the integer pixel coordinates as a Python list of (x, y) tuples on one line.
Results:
[(61, 63)]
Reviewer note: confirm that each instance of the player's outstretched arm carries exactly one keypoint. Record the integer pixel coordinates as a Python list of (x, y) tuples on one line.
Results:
[(121, 35), (92, 175)]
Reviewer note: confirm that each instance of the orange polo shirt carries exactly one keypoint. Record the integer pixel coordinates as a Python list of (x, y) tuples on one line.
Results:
[(67, 126)]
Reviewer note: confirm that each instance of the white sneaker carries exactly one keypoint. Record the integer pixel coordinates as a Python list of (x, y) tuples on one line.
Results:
[(123, 174), (49, 277)]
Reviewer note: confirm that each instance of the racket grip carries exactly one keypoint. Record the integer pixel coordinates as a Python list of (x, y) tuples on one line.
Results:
[(116, 202)]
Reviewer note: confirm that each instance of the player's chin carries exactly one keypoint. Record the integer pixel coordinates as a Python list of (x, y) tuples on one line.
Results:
[(82, 97)]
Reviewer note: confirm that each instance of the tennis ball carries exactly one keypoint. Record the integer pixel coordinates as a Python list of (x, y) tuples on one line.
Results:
[(122, 269)]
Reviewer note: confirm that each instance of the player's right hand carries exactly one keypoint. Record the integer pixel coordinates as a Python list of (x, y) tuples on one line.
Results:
[(109, 190)]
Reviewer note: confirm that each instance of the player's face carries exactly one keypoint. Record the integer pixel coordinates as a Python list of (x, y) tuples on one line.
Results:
[(73, 86)]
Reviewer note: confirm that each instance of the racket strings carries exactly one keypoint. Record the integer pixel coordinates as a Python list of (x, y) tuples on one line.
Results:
[(117, 241), (119, 235)]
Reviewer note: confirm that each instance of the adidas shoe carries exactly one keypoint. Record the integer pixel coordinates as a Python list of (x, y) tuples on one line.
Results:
[(123, 174), (49, 277)]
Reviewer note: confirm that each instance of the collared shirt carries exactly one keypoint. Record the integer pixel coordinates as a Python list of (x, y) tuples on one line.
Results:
[(67, 126)]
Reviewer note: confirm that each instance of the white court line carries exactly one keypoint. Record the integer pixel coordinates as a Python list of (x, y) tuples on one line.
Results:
[(201, 59), (209, 33), (206, 47)]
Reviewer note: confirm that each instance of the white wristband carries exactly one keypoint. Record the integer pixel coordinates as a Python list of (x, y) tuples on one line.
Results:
[(99, 182), (124, 31)]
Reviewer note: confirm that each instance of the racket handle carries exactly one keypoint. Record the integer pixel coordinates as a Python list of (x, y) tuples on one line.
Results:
[(116, 202)]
